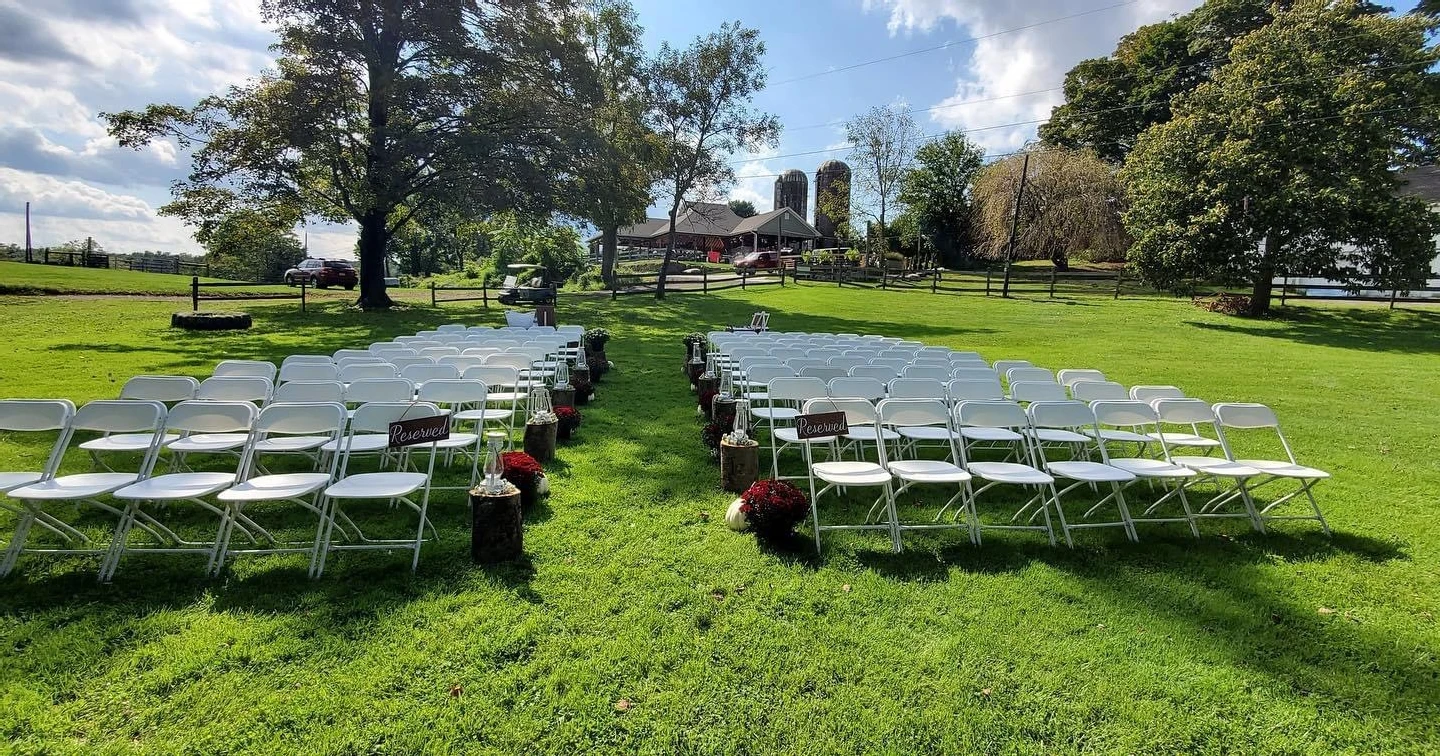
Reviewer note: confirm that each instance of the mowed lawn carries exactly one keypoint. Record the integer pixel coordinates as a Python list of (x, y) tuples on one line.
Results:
[(640, 624)]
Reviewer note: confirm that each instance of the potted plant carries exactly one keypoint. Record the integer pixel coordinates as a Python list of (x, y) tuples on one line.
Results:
[(710, 435), (584, 391), (595, 340), (569, 420), (773, 508), (525, 473)]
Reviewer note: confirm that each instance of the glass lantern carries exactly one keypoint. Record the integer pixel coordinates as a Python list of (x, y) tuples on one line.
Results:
[(727, 384), (710, 369), (740, 429), (580, 363), (562, 374), (696, 356), (539, 401), (494, 466)]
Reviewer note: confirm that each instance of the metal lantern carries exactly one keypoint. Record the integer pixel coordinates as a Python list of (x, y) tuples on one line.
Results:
[(494, 467), (740, 430), (539, 400), (580, 363), (727, 385), (695, 354), (562, 374)]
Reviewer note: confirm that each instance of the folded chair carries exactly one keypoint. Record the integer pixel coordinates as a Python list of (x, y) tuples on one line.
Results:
[(1240, 417)]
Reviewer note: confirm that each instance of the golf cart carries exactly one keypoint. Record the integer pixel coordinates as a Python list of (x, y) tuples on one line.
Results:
[(535, 291)]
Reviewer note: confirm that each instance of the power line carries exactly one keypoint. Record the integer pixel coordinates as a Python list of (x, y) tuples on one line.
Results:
[(957, 43)]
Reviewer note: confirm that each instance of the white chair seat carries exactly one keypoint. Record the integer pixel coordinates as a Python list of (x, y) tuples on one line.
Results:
[(1284, 469), (990, 434), (792, 436), (457, 441), (123, 442), (1186, 439), (926, 433), (208, 442), (282, 444), (365, 442), (381, 485), (276, 487), (81, 486), (867, 433), (1152, 468), (1010, 472), (1057, 436), (505, 396), (851, 473), (1091, 472), (1217, 466), (177, 486), (777, 413), (928, 471), (485, 414), (9, 480)]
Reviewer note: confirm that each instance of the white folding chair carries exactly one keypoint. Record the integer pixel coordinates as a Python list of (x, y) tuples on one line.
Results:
[(1244, 417), (252, 389), (926, 418), (897, 364), (1137, 417), (975, 374), (1191, 414), (321, 359), (194, 418), (1002, 367), (166, 389), (846, 474), (1069, 377), (455, 394), (395, 487), (787, 395), (1028, 375), (878, 372), (341, 354), (1036, 391), (916, 388), (308, 392), (1098, 391), (36, 416), (754, 384), (368, 371), (309, 371), (503, 394), (245, 369), (401, 363), (138, 417), (346, 363), (1149, 394), (419, 374), (379, 390), (1069, 417), (963, 389), (932, 372), (1005, 422)]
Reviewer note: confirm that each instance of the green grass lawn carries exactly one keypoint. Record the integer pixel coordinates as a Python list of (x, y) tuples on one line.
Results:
[(634, 590)]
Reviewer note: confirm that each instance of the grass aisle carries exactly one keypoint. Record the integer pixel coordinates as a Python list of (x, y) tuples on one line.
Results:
[(634, 591)]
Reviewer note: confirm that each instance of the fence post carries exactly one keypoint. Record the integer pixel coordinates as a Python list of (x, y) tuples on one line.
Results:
[(302, 296), (934, 280), (614, 290), (987, 282), (1284, 284), (742, 281), (485, 295), (704, 280), (882, 275), (1118, 274), (1393, 294), (1052, 281), (194, 293), (433, 303)]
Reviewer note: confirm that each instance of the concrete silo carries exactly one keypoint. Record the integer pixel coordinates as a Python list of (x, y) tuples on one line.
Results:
[(792, 190), (832, 177)]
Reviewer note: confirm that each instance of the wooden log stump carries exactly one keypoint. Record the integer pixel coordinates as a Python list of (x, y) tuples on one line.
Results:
[(694, 370), (739, 465), (580, 377), (722, 411), (706, 386), (562, 397), (497, 531), (540, 440)]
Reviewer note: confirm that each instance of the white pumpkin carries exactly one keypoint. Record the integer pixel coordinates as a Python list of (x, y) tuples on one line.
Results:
[(542, 486), (734, 517)]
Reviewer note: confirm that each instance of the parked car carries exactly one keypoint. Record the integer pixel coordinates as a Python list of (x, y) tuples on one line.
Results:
[(762, 260), (322, 273)]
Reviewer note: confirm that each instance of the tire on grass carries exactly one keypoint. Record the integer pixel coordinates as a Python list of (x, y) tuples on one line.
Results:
[(211, 321)]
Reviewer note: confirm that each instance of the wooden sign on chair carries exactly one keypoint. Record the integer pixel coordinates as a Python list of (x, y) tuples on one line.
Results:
[(821, 425), (420, 430)]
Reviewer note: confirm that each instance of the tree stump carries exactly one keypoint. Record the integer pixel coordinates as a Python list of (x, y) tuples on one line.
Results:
[(540, 440), (563, 397), (694, 370), (739, 465), (722, 411), (706, 386), (497, 532)]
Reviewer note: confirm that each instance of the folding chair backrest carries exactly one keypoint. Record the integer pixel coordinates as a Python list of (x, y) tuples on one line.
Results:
[(401, 363), (481, 352), (916, 388), (379, 390), (1028, 375), (975, 374), (245, 369), (377, 416), (301, 418), (913, 412), (825, 373), (438, 352), (1245, 415), (800, 363), (1127, 414), (368, 371), (161, 388), (935, 362), (795, 389), (966, 357), (1004, 366), (1061, 414), (878, 372), (894, 363), (1151, 393), (463, 362), (200, 416), (1184, 412), (422, 373), (1037, 391), (991, 414), (308, 391), (341, 354), (451, 328), (962, 390), (391, 352), (349, 362), (942, 353), (321, 359), (494, 376), (309, 371), (40, 416), (764, 374), (1070, 377), (1096, 391), (868, 389), (842, 361), (454, 391), (257, 390), (935, 372), (120, 416), (511, 360)]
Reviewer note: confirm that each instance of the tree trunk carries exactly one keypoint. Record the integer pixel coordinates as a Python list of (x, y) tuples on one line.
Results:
[(609, 248), (1264, 278), (373, 238), (669, 253)]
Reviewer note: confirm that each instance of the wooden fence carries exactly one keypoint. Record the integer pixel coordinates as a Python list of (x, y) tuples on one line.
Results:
[(687, 283), (1290, 288), (989, 282), (196, 297), (151, 264), (467, 294)]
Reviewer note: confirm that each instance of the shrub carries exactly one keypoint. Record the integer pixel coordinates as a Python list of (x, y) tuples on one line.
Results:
[(711, 434), (774, 508), (521, 469)]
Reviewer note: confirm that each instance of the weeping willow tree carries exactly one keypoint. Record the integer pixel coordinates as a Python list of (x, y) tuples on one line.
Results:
[(1071, 203)]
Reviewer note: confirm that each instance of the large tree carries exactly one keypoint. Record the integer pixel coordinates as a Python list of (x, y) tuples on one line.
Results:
[(937, 190), (1285, 162), (248, 245), (742, 208), (1071, 203), (700, 108), (883, 141), (375, 110)]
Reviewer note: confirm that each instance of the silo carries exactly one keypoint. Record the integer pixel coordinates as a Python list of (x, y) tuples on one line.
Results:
[(832, 176), (792, 190)]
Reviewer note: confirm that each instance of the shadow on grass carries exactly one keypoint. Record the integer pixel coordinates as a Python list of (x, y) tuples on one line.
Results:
[(1363, 329)]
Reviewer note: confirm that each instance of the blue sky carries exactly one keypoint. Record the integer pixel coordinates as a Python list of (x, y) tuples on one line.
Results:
[(64, 61)]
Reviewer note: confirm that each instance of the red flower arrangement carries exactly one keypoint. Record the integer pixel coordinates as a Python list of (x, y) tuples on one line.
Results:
[(711, 434), (521, 469), (569, 419), (773, 508)]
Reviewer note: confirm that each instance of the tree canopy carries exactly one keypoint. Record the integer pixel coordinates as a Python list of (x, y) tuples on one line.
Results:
[(937, 191), (742, 208), (883, 141), (1284, 163), (248, 245)]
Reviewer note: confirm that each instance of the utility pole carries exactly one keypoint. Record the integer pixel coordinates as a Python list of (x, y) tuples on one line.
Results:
[(29, 255), (1015, 226)]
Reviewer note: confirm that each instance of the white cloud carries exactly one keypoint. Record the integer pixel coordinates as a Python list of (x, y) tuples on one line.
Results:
[(1031, 59), (67, 199)]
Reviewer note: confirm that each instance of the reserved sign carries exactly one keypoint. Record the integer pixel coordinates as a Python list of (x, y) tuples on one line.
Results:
[(421, 430), (821, 425)]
